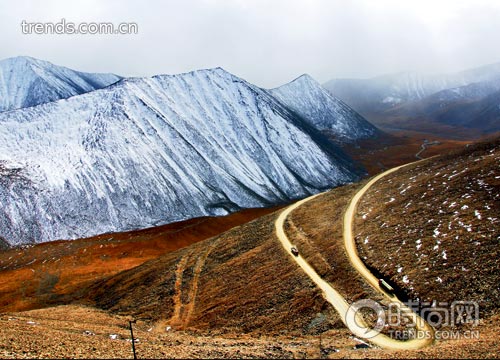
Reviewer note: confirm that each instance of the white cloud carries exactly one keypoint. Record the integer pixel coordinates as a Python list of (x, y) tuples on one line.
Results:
[(266, 42)]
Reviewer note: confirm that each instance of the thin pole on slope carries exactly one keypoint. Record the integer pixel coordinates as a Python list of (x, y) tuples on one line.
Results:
[(132, 335)]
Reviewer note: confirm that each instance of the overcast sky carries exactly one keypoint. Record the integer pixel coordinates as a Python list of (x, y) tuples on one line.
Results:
[(266, 42)]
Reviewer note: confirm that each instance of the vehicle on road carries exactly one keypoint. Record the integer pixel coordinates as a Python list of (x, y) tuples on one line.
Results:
[(385, 286), (294, 251)]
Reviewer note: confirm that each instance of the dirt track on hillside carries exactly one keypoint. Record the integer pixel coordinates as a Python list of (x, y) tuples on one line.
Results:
[(333, 297)]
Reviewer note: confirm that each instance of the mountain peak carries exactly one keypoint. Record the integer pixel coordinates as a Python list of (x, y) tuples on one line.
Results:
[(20, 58), (25, 60), (217, 71), (324, 111), (306, 79), (26, 81)]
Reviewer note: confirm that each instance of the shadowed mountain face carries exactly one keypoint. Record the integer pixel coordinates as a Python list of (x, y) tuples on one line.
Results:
[(150, 151), (26, 82), (316, 105), (3, 244), (480, 113), (456, 105)]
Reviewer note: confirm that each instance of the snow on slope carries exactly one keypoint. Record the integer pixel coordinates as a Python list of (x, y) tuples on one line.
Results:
[(26, 82), (471, 92), (383, 92), (150, 151), (310, 100)]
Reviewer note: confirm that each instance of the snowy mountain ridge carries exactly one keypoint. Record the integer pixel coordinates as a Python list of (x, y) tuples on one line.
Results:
[(149, 151), (315, 104), (26, 82)]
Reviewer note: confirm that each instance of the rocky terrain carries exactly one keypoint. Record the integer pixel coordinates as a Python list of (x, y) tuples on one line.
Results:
[(86, 333)]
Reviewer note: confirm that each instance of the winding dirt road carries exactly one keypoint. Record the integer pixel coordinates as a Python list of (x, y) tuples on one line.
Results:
[(335, 299)]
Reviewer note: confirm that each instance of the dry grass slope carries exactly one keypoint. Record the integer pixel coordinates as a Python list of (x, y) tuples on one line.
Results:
[(50, 273), (433, 228)]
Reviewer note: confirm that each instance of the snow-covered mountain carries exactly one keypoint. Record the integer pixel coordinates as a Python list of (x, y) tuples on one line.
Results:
[(384, 92), (25, 82), (150, 151), (443, 100), (316, 105), (469, 92)]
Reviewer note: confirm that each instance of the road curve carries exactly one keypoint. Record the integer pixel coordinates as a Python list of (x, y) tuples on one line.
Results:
[(333, 297)]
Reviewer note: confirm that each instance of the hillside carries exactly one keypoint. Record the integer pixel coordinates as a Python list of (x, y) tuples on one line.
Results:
[(433, 228), (26, 82), (205, 143), (38, 276), (241, 281), (316, 105)]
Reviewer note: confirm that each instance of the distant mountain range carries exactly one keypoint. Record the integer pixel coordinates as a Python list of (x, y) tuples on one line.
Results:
[(149, 151), (459, 104), (25, 82)]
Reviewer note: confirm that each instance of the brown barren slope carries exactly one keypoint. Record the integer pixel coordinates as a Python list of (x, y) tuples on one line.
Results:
[(433, 228), (40, 275), (397, 148)]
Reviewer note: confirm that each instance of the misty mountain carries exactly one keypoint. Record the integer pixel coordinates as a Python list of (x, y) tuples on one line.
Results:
[(150, 151), (25, 82), (384, 92), (429, 103), (482, 114), (316, 105), (474, 106)]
